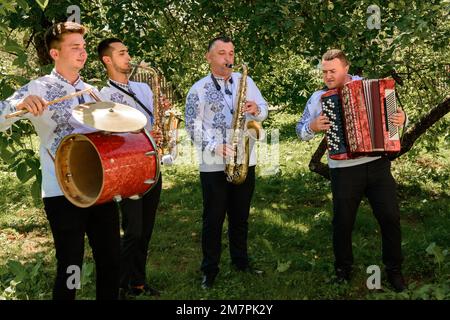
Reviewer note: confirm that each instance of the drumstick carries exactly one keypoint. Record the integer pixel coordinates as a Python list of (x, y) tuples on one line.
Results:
[(70, 96), (94, 96)]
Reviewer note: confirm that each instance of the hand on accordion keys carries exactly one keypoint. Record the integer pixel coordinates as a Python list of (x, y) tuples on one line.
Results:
[(321, 123), (398, 118)]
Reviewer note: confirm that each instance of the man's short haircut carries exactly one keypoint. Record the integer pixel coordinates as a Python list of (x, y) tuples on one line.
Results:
[(220, 38), (104, 48), (335, 53), (54, 34)]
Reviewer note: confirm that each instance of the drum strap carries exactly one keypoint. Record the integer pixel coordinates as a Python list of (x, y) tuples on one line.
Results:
[(132, 95)]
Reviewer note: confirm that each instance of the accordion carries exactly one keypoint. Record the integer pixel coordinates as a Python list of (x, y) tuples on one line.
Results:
[(359, 117)]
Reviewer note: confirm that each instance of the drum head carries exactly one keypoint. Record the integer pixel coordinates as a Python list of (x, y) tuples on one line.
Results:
[(110, 116), (79, 170)]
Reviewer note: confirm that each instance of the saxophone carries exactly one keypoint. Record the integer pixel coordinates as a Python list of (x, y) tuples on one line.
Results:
[(167, 122), (236, 168)]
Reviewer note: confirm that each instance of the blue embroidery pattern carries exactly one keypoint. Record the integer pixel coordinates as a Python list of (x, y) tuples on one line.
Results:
[(215, 99), (61, 115), (192, 111), (212, 94), (118, 98), (220, 126), (19, 94), (60, 77)]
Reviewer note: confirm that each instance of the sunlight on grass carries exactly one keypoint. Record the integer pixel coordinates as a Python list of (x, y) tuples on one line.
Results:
[(276, 220)]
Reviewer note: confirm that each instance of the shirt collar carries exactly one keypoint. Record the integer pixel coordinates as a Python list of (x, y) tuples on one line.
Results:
[(60, 77), (125, 86), (221, 78)]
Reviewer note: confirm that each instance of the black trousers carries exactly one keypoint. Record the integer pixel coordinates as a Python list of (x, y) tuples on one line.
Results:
[(349, 185), (69, 224), (138, 219), (220, 198)]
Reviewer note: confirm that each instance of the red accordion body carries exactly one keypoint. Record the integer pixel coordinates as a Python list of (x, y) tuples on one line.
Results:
[(359, 117)]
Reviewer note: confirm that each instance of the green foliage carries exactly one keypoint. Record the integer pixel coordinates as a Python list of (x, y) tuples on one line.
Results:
[(438, 290), (23, 280), (282, 41)]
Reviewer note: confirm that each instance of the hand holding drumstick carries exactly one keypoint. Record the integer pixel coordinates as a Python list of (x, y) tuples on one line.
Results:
[(36, 105)]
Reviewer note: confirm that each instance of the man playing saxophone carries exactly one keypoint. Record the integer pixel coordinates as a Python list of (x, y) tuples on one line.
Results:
[(210, 108), (138, 215)]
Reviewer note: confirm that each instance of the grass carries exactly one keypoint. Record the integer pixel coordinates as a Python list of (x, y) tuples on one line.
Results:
[(289, 236)]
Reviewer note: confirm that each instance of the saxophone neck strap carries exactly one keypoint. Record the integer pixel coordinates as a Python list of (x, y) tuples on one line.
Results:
[(133, 96)]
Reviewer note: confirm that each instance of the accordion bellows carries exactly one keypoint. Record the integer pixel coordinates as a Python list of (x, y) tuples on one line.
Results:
[(359, 116)]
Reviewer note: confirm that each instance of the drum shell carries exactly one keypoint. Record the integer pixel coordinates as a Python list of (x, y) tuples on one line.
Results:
[(127, 166)]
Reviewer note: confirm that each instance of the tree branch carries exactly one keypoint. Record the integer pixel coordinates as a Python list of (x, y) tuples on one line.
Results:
[(317, 166), (421, 126)]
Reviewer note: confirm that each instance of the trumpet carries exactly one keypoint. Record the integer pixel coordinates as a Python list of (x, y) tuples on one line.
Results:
[(167, 122)]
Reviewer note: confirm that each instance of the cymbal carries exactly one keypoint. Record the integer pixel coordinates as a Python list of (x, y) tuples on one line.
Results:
[(109, 116)]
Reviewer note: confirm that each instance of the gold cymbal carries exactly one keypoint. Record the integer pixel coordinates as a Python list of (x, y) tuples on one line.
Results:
[(110, 116)]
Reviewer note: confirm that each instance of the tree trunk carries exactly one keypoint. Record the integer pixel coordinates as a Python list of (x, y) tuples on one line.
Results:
[(317, 166)]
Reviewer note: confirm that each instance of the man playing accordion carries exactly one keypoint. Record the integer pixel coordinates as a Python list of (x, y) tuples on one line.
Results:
[(351, 179)]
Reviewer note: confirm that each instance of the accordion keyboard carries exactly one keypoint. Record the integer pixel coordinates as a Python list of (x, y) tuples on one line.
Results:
[(391, 108), (331, 107)]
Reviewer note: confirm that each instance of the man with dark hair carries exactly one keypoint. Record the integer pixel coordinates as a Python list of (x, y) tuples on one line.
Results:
[(68, 223), (223, 39), (210, 106), (138, 215), (352, 179), (106, 47)]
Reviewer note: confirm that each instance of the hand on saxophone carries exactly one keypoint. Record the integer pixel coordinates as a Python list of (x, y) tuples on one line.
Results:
[(34, 104), (252, 108), (224, 150)]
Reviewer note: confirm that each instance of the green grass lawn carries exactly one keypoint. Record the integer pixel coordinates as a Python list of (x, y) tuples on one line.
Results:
[(289, 236)]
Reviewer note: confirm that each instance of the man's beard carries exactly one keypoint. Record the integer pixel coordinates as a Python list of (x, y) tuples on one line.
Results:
[(122, 70)]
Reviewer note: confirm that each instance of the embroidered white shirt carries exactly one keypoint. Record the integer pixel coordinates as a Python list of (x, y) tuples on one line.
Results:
[(54, 124), (142, 92), (209, 114)]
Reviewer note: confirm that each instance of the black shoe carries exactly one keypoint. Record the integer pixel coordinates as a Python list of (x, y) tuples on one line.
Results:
[(249, 269), (343, 275), (143, 290), (208, 281), (396, 280), (123, 294)]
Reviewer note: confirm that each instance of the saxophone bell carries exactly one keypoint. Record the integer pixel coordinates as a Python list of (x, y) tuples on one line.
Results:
[(255, 130)]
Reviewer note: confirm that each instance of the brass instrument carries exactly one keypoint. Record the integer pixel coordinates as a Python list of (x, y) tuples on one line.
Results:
[(236, 168), (167, 122)]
